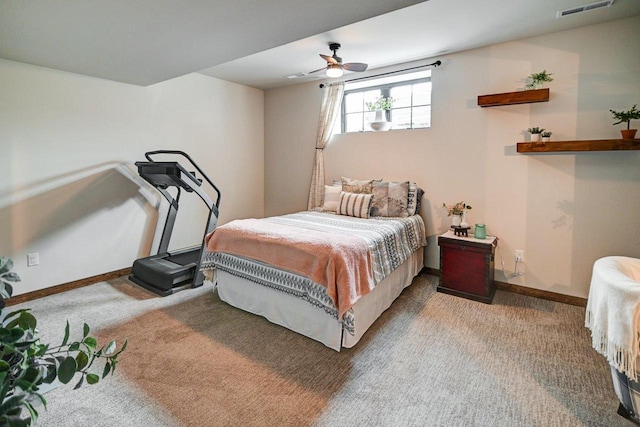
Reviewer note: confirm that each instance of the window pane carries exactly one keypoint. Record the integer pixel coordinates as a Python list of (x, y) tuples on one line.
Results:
[(401, 96), (401, 118), (421, 117), (354, 122), (353, 102), (422, 94)]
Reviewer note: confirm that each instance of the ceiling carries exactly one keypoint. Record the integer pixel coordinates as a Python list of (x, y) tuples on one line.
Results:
[(257, 42)]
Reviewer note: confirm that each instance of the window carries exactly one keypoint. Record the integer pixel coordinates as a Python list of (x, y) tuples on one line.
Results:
[(411, 107)]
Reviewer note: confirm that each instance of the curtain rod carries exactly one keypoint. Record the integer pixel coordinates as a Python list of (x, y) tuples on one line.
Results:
[(435, 64)]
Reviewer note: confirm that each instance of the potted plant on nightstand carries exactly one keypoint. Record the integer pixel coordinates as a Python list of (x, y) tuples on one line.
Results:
[(380, 106), (535, 133), (626, 117)]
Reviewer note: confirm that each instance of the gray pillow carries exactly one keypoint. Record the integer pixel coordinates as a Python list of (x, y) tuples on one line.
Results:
[(390, 199)]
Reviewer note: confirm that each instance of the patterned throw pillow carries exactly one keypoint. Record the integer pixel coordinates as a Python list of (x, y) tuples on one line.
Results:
[(331, 197), (353, 204), (357, 185), (414, 199), (390, 199)]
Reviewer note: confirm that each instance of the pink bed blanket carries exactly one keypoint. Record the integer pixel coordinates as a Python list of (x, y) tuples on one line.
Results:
[(339, 262)]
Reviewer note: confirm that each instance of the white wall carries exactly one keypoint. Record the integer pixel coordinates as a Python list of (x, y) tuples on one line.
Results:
[(68, 187), (564, 210)]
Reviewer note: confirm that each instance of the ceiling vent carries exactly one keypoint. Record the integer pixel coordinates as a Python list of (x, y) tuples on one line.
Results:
[(584, 8)]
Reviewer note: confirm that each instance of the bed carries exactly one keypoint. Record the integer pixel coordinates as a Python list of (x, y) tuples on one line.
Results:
[(325, 275)]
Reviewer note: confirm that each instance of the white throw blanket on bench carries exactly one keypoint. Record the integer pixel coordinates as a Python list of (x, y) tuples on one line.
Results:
[(613, 311)]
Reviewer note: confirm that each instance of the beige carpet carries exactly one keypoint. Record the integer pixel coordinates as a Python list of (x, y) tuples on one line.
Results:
[(431, 360)]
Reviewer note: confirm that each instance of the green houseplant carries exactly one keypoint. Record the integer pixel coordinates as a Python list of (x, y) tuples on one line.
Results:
[(626, 117), (537, 80), (535, 133), (26, 362), (546, 136)]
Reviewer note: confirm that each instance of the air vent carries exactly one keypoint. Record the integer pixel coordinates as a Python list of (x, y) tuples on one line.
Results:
[(586, 7)]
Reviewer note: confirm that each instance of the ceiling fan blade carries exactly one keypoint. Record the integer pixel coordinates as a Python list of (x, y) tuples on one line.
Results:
[(355, 66), (329, 59), (301, 74)]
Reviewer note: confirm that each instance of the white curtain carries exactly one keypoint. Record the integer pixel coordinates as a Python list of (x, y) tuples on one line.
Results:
[(331, 100)]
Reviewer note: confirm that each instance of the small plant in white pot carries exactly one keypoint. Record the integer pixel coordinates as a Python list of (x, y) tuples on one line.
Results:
[(537, 80), (535, 133), (626, 117), (381, 105), (546, 136)]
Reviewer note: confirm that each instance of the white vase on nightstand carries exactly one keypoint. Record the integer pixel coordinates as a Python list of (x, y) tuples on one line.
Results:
[(456, 220), (463, 222)]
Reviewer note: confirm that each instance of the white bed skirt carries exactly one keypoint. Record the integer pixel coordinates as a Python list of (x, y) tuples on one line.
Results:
[(300, 316)]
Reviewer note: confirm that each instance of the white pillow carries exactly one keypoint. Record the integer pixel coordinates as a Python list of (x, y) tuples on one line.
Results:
[(331, 197)]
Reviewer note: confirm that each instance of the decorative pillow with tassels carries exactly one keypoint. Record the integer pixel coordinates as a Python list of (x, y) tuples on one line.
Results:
[(353, 204)]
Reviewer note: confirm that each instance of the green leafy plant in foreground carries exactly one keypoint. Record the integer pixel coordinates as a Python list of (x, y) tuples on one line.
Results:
[(26, 363)]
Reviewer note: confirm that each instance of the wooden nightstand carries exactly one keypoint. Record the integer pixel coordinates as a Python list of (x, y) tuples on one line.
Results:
[(466, 266)]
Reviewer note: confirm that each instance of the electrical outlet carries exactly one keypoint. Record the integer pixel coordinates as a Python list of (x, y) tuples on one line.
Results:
[(520, 255), (33, 259)]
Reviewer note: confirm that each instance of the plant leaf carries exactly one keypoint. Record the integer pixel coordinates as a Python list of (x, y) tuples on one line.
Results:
[(86, 330), (90, 342), (27, 321), (5, 264), (111, 347), (81, 359), (107, 369), (74, 346), (66, 335), (92, 378), (67, 370), (79, 384)]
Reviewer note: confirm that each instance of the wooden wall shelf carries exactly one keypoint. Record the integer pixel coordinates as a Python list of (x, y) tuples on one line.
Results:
[(593, 145), (511, 98)]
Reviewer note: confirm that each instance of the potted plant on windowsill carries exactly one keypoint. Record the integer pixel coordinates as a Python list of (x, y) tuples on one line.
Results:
[(26, 363), (626, 117), (535, 133), (381, 105)]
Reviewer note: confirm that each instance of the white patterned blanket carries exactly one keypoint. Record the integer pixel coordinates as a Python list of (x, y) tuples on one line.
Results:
[(390, 242)]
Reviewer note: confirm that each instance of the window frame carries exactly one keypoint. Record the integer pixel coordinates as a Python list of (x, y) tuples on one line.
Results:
[(385, 90)]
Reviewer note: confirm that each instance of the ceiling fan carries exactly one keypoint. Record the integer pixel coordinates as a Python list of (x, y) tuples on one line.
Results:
[(334, 66)]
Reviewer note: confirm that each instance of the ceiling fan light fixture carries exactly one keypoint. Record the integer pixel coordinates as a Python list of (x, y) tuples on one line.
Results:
[(334, 71)]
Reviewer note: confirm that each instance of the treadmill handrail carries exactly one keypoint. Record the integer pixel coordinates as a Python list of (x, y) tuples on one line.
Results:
[(185, 155)]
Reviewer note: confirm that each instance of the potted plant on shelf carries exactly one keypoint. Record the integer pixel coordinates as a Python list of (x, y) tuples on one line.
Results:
[(546, 136), (458, 212), (535, 133), (537, 80), (380, 106), (26, 363), (626, 117)]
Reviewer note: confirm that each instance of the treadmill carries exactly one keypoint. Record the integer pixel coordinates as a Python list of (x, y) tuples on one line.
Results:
[(168, 272)]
